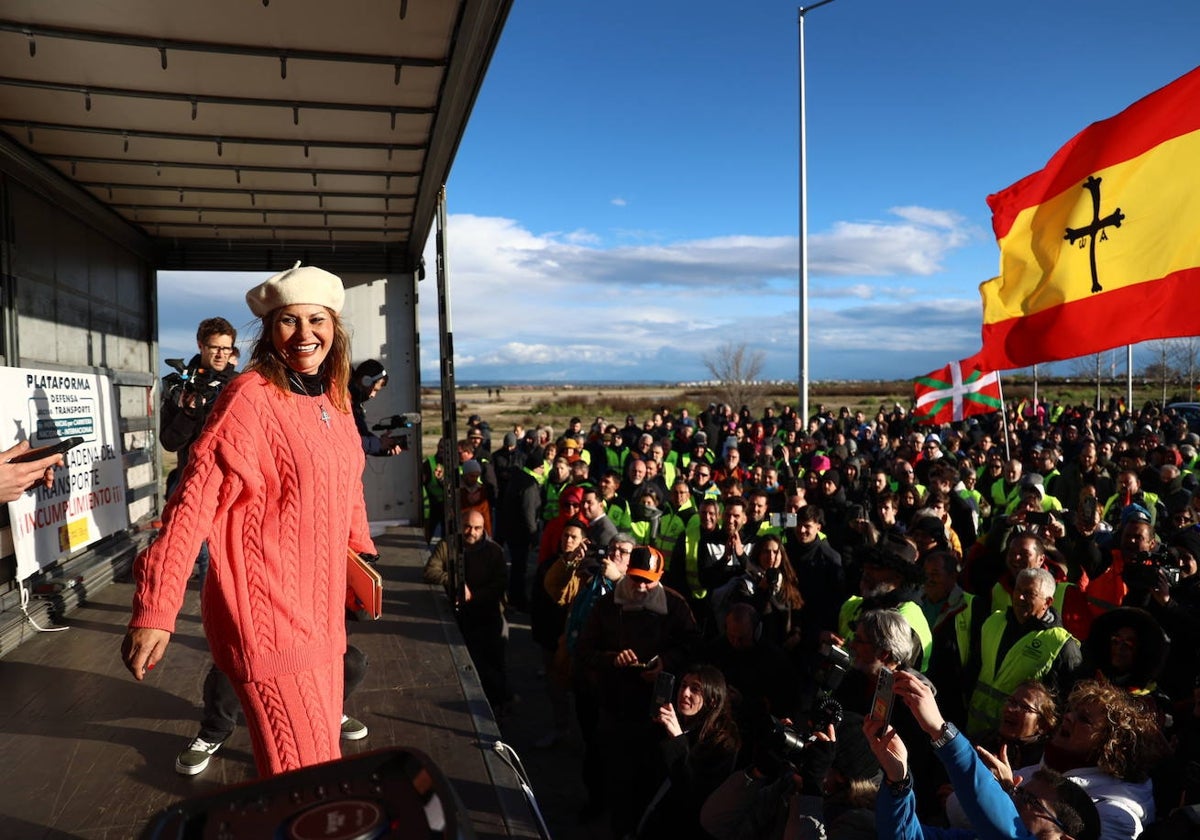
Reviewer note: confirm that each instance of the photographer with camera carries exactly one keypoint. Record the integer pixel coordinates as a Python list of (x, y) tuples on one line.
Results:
[(367, 380), (1173, 601), (883, 640), (189, 393), (188, 396), (1131, 570)]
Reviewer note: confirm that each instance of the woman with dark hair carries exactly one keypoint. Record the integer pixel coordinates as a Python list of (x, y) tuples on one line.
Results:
[(1128, 648), (274, 483), (367, 380), (698, 754), (769, 585)]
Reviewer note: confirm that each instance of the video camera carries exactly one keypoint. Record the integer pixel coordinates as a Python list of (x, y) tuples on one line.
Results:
[(398, 421), (1142, 571), (786, 743), (832, 667), (189, 381), (398, 427)]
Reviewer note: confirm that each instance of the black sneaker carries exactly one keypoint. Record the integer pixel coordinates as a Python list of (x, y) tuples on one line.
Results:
[(194, 759), (353, 729)]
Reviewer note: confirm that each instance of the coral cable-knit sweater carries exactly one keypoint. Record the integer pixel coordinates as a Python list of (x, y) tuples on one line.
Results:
[(278, 494)]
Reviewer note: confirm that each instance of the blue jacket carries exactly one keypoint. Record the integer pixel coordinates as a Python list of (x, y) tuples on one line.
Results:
[(989, 808)]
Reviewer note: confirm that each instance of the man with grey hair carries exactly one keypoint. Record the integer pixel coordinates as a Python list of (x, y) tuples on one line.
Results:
[(889, 637), (1025, 642), (883, 640)]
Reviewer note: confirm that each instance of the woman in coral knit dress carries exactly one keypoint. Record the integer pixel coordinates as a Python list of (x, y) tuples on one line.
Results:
[(274, 483)]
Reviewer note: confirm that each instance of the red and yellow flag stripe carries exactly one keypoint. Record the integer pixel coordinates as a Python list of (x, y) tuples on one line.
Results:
[(1048, 303)]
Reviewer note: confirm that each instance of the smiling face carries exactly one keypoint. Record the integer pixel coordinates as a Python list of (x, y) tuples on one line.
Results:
[(691, 698), (1020, 718), (302, 335), (1028, 601)]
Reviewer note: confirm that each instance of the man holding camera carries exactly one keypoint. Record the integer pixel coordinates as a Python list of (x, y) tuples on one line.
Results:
[(188, 399), (1109, 585)]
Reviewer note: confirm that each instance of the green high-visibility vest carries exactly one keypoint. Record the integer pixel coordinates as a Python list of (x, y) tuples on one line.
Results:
[(691, 556), (912, 613), (1029, 659)]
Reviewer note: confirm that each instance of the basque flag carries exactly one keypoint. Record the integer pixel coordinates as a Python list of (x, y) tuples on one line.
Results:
[(956, 392)]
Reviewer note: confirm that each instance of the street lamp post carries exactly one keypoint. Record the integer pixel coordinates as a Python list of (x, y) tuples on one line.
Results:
[(803, 379)]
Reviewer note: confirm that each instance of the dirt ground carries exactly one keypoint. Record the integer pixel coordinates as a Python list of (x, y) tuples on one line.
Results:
[(514, 405)]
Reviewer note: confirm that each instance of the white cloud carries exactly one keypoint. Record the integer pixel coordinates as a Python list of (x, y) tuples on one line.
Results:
[(526, 304), (619, 202), (944, 219), (876, 249)]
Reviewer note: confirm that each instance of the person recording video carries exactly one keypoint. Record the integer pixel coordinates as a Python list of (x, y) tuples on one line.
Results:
[(368, 379), (188, 398)]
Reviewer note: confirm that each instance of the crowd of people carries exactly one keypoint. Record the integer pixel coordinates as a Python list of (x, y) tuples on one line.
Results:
[(717, 596)]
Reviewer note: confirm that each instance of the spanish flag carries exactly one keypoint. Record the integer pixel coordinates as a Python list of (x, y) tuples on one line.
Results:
[(1101, 247)]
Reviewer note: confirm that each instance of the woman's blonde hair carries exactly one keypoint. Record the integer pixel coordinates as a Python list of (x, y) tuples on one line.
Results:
[(1132, 741), (335, 370)]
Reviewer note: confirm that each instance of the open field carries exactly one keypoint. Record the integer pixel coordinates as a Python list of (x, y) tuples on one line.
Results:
[(529, 406)]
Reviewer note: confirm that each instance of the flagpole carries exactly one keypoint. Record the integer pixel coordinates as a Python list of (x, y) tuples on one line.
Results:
[(802, 383), (1129, 377), (1003, 415)]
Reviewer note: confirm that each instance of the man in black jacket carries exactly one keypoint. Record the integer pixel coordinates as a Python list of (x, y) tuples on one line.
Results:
[(188, 398), (518, 523)]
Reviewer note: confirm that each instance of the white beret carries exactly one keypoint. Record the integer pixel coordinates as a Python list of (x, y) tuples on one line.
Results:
[(297, 285)]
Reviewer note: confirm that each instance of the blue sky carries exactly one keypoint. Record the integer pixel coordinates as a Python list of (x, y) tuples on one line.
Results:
[(625, 197)]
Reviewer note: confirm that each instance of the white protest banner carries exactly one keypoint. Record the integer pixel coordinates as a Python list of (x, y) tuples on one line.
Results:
[(87, 500)]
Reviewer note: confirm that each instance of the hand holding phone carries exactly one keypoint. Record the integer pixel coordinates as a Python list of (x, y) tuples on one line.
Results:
[(664, 692), (649, 664), (47, 451), (1037, 517), (885, 698)]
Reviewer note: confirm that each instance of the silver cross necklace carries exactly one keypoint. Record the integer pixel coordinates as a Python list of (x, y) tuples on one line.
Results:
[(301, 387)]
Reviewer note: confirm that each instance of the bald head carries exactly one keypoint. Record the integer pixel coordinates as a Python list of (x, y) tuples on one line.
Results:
[(472, 527)]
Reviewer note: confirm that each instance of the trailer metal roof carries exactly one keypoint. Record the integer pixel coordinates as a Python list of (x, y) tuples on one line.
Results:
[(241, 134)]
